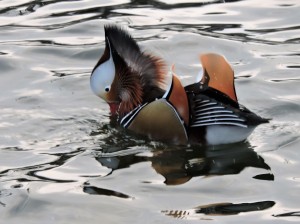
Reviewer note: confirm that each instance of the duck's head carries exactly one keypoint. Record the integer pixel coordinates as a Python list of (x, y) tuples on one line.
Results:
[(125, 76), (112, 79)]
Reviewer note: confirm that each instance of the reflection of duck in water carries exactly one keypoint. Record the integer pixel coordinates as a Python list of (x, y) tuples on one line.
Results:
[(179, 165), (132, 83)]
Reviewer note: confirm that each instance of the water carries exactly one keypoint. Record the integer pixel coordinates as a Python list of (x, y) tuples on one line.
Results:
[(63, 161)]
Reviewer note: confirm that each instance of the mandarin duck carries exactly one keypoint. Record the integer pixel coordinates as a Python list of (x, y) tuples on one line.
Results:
[(132, 82)]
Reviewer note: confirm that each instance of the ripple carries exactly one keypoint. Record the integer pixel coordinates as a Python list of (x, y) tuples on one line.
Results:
[(288, 214), (106, 192), (59, 147), (29, 159), (286, 79), (219, 209)]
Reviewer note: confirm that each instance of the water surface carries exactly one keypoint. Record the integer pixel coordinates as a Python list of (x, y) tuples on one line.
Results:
[(63, 161)]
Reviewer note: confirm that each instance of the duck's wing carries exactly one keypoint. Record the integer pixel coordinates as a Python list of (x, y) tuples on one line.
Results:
[(206, 111), (157, 120), (209, 106), (213, 100)]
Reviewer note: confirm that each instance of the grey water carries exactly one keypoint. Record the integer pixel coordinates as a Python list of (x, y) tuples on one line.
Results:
[(63, 161)]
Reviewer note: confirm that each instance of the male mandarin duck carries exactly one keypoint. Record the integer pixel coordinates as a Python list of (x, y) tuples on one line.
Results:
[(132, 82)]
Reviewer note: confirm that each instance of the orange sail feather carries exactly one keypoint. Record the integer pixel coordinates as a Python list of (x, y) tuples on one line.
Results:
[(218, 74)]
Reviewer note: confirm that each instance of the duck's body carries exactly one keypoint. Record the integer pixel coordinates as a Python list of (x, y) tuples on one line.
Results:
[(206, 112)]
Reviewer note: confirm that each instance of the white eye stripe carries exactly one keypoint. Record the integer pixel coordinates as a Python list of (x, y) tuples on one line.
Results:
[(103, 76)]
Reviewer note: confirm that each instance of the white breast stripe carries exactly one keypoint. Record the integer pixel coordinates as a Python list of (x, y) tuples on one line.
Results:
[(129, 117)]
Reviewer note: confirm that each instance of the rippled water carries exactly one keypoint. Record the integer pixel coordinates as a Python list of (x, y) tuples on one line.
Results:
[(63, 161)]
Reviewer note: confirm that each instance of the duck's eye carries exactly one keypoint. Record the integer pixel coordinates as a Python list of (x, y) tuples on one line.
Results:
[(106, 89)]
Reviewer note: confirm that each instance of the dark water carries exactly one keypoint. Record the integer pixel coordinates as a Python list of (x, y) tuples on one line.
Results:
[(62, 161)]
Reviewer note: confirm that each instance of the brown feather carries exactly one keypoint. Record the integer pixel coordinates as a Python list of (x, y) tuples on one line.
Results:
[(130, 90), (153, 71), (139, 76)]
